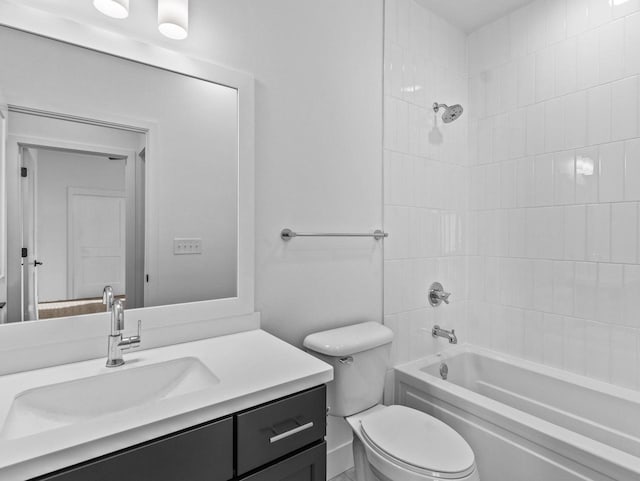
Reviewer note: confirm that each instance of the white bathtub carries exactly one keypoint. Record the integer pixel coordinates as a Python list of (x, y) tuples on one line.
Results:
[(525, 421)]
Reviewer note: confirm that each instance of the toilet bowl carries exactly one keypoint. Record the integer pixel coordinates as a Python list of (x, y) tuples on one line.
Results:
[(398, 443), (390, 443)]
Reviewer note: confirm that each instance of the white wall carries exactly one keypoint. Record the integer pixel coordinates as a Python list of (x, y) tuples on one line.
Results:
[(57, 171), (318, 163), (425, 178), (555, 274), (553, 266)]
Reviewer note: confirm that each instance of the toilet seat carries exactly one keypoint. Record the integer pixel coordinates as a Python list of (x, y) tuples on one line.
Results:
[(417, 442)]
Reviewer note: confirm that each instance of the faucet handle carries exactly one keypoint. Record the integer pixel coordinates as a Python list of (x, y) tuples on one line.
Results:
[(131, 341), (437, 295), (139, 329), (444, 296)]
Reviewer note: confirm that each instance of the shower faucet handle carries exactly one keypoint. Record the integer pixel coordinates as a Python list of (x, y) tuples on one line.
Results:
[(437, 295)]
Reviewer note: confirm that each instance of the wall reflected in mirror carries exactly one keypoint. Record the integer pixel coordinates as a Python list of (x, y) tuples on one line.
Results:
[(115, 173)]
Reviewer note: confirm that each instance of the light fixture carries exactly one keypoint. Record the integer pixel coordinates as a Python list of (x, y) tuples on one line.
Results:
[(113, 8), (173, 18)]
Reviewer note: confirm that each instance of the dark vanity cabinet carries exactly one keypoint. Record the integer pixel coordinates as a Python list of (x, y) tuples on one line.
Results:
[(199, 454), (277, 441)]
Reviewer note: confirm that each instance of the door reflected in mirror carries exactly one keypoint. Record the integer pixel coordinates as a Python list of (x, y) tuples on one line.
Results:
[(116, 173), (100, 194)]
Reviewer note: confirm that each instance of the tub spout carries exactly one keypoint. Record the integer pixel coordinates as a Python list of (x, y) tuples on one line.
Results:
[(437, 331)]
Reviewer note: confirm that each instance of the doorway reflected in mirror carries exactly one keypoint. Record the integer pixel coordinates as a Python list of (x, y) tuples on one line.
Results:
[(82, 216)]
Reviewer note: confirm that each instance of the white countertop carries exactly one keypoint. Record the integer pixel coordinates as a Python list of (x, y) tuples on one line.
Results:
[(253, 367)]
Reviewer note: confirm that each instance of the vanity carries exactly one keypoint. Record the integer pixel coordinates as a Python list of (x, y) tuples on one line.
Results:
[(240, 406), (208, 451)]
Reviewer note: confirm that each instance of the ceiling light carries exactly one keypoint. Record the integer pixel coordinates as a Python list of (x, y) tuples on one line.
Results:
[(173, 18), (113, 8)]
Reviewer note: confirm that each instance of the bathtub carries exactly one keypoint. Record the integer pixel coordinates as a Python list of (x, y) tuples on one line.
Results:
[(525, 421)]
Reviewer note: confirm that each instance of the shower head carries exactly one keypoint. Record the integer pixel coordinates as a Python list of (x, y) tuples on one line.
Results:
[(450, 113)]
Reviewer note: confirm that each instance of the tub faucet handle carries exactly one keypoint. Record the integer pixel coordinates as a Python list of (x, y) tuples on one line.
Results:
[(437, 295)]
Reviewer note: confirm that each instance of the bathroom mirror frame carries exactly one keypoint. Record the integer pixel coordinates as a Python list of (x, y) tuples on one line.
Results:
[(167, 320)]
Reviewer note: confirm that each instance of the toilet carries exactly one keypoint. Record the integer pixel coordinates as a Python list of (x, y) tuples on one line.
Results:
[(390, 443)]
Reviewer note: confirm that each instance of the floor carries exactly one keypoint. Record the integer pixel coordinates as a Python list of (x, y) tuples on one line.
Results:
[(348, 475)]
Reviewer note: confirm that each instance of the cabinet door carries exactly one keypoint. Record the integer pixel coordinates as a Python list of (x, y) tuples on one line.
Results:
[(204, 453), (308, 465)]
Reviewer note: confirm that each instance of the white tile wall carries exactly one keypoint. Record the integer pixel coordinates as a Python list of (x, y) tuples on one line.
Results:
[(426, 173), (536, 227), (554, 189)]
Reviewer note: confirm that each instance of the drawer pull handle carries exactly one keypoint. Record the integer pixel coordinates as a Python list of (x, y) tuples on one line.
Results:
[(291, 432)]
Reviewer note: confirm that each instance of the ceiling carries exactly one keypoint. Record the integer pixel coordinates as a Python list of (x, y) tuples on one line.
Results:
[(468, 15), (210, 22)]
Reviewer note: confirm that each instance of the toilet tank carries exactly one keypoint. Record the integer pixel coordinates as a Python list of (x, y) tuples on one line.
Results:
[(359, 355)]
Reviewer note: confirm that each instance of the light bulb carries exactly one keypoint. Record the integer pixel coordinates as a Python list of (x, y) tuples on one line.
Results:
[(113, 8), (173, 18)]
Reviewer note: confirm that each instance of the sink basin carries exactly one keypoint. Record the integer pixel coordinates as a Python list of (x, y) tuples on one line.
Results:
[(48, 407)]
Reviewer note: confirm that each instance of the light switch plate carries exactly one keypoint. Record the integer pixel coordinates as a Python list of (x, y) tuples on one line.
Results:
[(187, 246)]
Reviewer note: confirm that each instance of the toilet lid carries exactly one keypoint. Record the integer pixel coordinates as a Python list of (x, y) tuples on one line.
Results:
[(418, 439)]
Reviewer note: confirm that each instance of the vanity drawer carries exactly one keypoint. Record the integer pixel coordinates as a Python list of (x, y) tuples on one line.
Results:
[(273, 430), (201, 454), (308, 465)]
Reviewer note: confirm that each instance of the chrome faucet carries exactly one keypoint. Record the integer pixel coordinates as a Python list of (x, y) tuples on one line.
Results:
[(437, 295), (117, 343), (437, 331)]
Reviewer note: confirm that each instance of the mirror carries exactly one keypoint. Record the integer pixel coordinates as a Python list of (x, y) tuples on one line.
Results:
[(117, 173)]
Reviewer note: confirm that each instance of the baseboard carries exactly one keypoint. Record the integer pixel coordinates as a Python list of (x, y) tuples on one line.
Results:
[(339, 459)]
